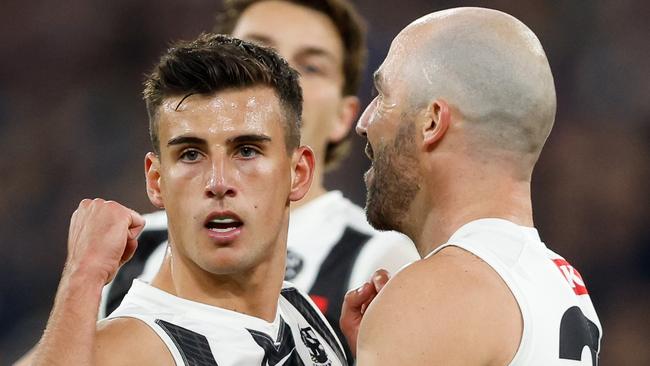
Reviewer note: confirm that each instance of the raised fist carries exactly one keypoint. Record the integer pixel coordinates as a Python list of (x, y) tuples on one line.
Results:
[(102, 237)]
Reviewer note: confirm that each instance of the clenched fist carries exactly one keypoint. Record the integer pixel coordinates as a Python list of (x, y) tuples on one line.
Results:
[(102, 237)]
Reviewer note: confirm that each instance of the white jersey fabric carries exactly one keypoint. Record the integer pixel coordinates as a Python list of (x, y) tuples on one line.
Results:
[(560, 324), (200, 334)]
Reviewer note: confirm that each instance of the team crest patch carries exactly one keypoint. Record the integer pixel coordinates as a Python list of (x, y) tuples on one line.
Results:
[(316, 349)]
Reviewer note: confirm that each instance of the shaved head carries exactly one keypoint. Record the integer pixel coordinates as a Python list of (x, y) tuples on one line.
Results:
[(491, 70)]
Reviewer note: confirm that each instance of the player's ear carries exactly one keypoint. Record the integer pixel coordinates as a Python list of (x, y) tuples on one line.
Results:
[(348, 112), (302, 172), (152, 174), (437, 120)]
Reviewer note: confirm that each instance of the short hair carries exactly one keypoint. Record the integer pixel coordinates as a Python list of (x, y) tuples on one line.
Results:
[(212, 63), (352, 30)]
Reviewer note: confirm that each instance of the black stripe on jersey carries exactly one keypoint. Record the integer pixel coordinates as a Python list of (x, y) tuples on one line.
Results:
[(313, 318), (192, 346), (276, 351), (334, 277), (148, 241)]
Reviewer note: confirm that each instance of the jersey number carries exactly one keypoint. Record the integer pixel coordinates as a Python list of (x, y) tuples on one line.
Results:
[(576, 332)]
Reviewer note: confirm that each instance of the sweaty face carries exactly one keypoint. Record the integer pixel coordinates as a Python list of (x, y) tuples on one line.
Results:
[(309, 41), (224, 178)]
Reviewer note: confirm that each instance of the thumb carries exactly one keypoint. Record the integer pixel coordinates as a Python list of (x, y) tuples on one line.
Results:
[(379, 279)]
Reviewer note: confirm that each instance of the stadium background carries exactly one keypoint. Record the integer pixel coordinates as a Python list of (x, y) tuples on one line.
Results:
[(72, 125)]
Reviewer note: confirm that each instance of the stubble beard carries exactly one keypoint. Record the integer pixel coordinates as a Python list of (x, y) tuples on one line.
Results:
[(395, 183)]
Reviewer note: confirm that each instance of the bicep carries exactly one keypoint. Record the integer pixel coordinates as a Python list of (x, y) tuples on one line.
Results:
[(422, 318), (129, 341)]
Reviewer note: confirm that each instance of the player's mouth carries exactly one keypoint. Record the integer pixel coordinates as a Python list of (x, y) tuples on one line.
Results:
[(223, 226)]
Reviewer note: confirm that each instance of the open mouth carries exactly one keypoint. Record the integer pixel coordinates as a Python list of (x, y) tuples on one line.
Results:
[(223, 224)]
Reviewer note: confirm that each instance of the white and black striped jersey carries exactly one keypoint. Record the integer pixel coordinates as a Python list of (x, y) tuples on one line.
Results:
[(203, 335), (560, 324), (331, 249)]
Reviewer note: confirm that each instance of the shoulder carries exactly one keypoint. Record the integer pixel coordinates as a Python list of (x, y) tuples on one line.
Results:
[(129, 341), (450, 308)]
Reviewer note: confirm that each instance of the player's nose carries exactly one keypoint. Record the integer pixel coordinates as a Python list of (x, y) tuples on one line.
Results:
[(218, 181), (364, 120)]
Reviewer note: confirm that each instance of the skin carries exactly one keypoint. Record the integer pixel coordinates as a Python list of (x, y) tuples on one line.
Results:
[(473, 147), (206, 165), (310, 43)]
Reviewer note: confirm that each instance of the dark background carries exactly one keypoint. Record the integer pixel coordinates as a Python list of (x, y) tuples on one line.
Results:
[(73, 125)]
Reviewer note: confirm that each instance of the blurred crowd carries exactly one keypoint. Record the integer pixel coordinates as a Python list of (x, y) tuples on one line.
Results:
[(73, 125)]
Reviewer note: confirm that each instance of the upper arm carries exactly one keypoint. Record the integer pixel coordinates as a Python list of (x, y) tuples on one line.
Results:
[(129, 341), (441, 311)]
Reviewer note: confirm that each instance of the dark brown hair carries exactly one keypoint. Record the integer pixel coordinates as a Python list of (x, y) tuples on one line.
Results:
[(351, 29), (212, 63)]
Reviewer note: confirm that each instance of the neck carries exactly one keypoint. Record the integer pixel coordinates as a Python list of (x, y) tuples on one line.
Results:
[(253, 292), (445, 210)]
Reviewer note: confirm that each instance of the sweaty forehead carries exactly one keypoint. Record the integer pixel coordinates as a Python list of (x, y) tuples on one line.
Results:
[(253, 109)]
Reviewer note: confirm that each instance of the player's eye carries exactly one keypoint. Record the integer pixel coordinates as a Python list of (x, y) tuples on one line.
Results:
[(247, 152), (190, 155)]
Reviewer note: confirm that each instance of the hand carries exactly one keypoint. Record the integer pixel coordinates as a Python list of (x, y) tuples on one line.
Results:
[(102, 237), (355, 304)]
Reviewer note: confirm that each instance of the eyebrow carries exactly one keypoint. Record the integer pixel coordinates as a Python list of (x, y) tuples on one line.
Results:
[(192, 140), (315, 51), (249, 138), (186, 140)]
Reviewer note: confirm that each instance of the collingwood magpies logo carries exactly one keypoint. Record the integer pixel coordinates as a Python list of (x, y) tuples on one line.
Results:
[(316, 349)]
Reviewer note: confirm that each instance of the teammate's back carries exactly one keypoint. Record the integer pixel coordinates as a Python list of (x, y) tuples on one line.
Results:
[(559, 320)]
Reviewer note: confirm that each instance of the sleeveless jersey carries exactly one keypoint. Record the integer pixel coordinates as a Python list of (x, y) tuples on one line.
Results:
[(203, 335), (560, 324)]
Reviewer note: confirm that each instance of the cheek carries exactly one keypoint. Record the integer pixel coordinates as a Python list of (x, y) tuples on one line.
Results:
[(262, 175)]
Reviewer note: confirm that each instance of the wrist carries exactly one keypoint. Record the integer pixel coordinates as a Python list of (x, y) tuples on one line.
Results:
[(77, 279)]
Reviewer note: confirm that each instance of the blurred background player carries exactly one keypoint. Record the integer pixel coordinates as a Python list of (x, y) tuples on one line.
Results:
[(331, 247), (226, 163)]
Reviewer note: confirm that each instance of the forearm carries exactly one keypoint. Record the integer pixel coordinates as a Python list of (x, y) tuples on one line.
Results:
[(69, 338)]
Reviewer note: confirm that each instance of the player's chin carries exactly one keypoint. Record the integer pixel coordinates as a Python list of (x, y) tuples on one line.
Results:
[(226, 261)]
